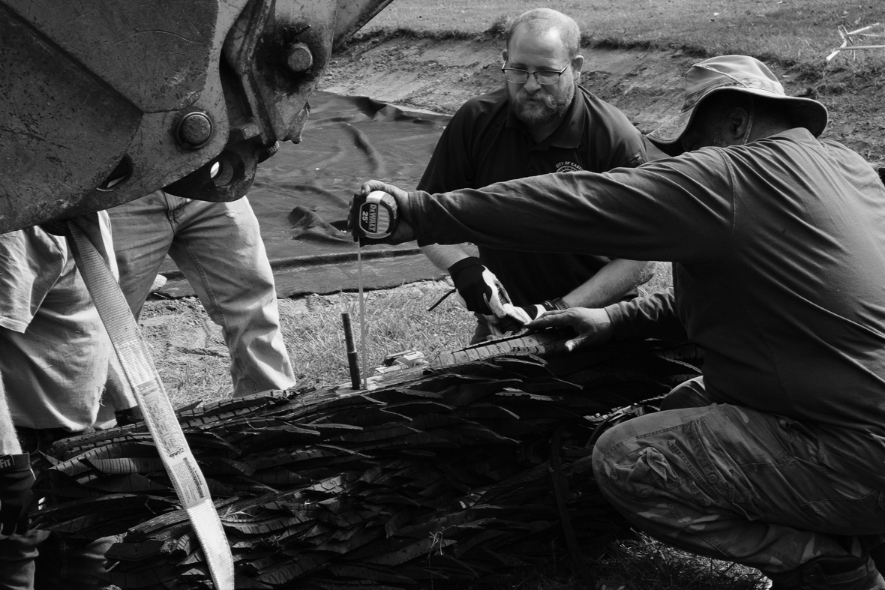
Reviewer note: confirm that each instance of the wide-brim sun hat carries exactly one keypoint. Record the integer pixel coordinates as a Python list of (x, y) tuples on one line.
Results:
[(737, 73)]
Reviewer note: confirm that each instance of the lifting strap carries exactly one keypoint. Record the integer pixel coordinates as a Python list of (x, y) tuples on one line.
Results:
[(190, 485)]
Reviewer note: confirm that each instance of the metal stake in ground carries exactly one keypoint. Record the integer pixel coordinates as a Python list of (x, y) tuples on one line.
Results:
[(353, 362)]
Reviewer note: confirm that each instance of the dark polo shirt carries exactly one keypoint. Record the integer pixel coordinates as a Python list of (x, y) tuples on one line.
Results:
[(484, 144)]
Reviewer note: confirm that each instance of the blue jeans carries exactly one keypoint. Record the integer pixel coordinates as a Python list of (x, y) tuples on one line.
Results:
[(733, 483), (219, 249)]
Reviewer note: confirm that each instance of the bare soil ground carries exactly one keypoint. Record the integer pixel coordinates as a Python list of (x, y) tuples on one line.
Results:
[(644, 83), (440, 75)]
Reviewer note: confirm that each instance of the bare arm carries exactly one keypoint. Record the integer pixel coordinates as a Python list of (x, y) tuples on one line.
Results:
[(611, 283), (444, 256), (9, 444)]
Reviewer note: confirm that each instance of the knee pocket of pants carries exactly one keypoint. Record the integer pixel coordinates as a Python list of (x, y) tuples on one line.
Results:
[(640, 472)]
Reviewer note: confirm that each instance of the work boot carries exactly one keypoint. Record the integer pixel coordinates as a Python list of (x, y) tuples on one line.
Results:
[(831, 573)]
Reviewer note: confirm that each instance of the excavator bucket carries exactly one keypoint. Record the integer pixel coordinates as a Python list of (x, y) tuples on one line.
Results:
[(105, 101)]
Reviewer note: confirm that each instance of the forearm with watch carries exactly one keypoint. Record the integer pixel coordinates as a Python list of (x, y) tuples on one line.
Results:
[(607, 286)]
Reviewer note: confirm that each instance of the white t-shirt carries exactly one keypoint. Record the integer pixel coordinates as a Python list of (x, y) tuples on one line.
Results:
[(54, 349)]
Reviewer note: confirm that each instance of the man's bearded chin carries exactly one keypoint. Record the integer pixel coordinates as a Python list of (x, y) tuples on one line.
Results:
[(538, 112)]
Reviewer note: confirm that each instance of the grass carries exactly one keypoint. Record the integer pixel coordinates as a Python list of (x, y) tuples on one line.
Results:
[(396, 320), (642, 563), (793, 32)]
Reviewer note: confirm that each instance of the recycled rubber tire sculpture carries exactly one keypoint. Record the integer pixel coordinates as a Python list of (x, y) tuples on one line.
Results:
[(467, 470)]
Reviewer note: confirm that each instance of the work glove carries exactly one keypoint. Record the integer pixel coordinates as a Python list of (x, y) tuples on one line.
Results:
[(480, 291), (399, 230), (16, 479)]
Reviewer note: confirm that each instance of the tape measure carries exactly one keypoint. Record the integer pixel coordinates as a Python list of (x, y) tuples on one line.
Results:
[(377, 215)]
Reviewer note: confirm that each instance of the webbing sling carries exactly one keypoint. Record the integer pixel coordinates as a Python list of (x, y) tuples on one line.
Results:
[(190, 485)]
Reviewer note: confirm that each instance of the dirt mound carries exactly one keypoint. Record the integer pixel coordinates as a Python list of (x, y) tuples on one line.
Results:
[(646, 84)]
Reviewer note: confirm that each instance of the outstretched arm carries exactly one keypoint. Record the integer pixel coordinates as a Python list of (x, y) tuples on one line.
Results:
[(679, 209), (646, 317)]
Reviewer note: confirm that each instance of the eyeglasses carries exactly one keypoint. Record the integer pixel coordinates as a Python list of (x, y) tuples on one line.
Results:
[(544, 77)]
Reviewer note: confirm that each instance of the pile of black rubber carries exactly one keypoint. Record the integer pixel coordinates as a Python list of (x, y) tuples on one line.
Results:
[(467, 471)]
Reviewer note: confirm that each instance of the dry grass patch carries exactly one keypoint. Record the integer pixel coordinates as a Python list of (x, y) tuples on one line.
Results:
[(396, 320), (642, 563), (638, 563)]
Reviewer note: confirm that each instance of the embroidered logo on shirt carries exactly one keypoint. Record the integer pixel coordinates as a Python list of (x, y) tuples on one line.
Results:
[(568, 167)]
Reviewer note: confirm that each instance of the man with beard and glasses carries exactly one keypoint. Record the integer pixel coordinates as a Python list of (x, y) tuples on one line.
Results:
[(540, 122)]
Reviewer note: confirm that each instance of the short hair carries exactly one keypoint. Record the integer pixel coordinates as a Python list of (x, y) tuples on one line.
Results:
[(540, 20)]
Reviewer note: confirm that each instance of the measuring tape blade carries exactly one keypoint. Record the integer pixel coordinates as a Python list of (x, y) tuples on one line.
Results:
[(364, 364), (187, 479)]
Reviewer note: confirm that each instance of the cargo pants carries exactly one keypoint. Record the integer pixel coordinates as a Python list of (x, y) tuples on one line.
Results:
[(737, 484)]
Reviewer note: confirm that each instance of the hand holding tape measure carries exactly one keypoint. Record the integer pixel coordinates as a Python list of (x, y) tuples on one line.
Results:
[(379, 215)]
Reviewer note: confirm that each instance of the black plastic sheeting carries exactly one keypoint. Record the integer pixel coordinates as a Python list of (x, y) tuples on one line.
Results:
[(302, 193)]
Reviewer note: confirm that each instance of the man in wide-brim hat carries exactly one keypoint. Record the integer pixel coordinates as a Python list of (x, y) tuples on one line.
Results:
[(776, 457), (733, 73)]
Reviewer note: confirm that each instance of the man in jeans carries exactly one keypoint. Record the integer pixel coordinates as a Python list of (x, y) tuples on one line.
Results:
[(219, 249)]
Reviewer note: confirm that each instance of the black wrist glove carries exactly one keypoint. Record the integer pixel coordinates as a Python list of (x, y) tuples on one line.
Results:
[(477, 285), (16, 479)]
